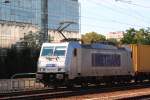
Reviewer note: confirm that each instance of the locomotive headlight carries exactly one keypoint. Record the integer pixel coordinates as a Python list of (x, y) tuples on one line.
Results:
[(41, 69), (42, 61)]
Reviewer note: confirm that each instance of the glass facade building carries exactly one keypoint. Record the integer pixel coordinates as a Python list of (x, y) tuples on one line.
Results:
[(29, 11), (21, 16), (63, 10), (25, 11)]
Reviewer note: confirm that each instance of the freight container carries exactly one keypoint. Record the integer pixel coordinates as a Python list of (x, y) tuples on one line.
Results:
[(141, 58)]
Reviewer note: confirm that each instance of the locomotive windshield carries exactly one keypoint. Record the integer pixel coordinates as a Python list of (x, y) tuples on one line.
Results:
[(54, 51), (47, 51), (59, 51)]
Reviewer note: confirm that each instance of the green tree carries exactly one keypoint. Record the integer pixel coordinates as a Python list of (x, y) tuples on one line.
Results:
[(31, 39), (114, 41), (92, 37), (132, 36), (128, 37)]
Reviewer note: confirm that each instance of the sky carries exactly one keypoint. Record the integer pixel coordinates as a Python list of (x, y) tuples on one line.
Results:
[(104, 16)]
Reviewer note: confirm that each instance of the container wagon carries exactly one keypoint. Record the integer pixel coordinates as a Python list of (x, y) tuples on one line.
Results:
[(141, 61)]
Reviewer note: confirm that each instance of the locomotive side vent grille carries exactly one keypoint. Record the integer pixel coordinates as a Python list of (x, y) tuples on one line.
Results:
[(106, 60)]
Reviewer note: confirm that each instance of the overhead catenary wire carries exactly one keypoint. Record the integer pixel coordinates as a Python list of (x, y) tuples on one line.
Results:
[(141, 22), (134, 12), (102, 19), (101, 4), (134, 4)]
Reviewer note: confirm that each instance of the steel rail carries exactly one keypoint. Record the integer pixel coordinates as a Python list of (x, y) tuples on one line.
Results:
[(77, 91)]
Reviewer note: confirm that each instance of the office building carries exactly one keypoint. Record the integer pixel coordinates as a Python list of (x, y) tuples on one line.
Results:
[(19, 17)]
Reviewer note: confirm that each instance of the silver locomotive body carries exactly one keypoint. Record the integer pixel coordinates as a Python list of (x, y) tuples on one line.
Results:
[(76, 63)]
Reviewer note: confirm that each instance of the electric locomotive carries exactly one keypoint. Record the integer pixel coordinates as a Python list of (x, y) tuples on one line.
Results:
[(69, 63)]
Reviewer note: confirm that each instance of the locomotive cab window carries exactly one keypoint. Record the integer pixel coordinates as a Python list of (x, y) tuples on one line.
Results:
[(106, 60), (47, 51), (54, 51), (60, 51)]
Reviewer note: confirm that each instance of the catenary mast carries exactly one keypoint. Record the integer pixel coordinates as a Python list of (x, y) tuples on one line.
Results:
[(44, 21)]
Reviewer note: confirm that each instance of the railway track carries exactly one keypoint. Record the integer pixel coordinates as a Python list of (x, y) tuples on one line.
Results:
[(64, 92)]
